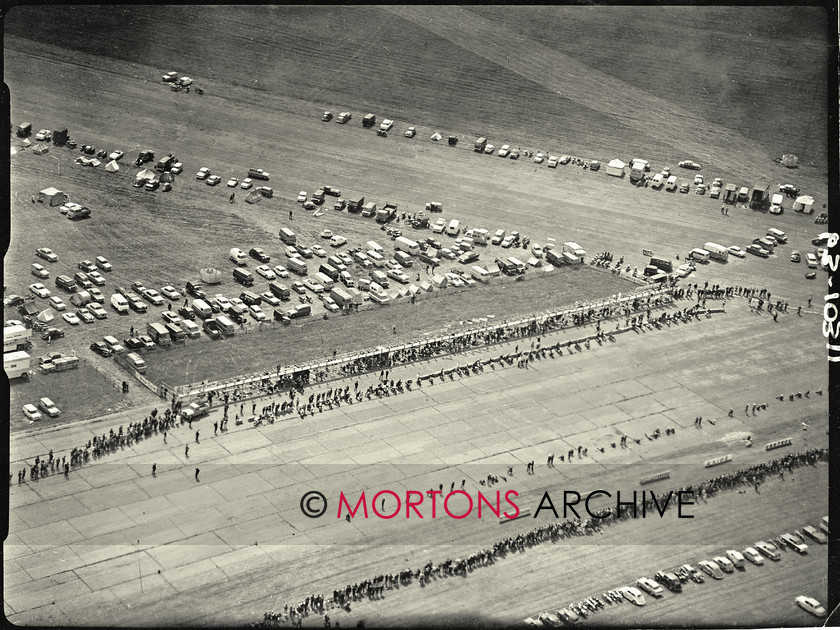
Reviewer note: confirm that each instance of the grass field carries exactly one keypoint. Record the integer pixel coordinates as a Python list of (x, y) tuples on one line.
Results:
[(729, 87)]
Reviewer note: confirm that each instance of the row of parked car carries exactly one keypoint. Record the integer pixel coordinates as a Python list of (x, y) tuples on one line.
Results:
[(715, 568), (45, 405)]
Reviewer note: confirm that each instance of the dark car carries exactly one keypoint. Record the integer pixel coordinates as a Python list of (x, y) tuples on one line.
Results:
[(257, 253), (11, 301), (669, 581), (186, 312), (52, 333), (468, 257), (133, 344), (100, 348), (136, 304), (195, 290), (211, 329)]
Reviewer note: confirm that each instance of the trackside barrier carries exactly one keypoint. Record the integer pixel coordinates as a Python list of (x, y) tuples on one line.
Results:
[(657, 477), (717, 460), (778, 444)]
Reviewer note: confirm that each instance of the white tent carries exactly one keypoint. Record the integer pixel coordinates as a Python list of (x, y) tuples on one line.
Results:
[(146, 174), (616, 168), (253, 197), (112, 166), (210, 275), (26, 142), (40, 149), (439, 281), (805, 204), (52, 196), (790, 160), (94, 162), (46, 315), (436, 137)]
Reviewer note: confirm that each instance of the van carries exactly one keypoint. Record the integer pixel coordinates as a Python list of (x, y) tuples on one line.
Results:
[(479, 273), (158, 333), (280, 291), (380, 278), (250, 298), (498, 237), (698, 254), (287, 236), (238, 256), (403, 244), (176, 333), (190, 328), (119, 303), (454, 227), (717, 252), (404, 259), (780, 236), (135, 361), (297, 265), (377, 259), (766, 243), (243, 277), (671, 184), (657, 182), (373, 245), (346, 279), (324, 279), (65, 282), (202, 308), (225, 325)]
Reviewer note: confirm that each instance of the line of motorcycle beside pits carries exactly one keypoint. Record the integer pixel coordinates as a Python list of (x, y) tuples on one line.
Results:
[(728, 562)]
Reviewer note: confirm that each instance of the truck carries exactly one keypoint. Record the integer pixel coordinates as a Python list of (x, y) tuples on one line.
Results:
[(369, 120), (16, 364), (341, 296), (637, 170), (717, 252), (479, 145), (16, 338), (318, 196), (165, 164), (258, 173), (24, 129), (369, 209), (158, 333), (574, 248), (146, 155), (280, 291), (297, 265), (386, 212), (760, 196), (354, 204), (479, 235), (60, 137)]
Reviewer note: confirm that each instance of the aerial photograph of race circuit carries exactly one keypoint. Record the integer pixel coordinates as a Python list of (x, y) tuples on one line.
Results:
[(408, 316)]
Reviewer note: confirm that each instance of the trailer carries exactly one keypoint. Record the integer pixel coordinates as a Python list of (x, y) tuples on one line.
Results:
[(16, 338), (16, 364)]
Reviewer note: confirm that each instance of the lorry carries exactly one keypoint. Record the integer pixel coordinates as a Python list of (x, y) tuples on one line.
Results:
[(24, 129), (480, 144), (258, 173), (329, 271), (369, 120), (759, 198), (369, 209), (16, 338), (158, 333), (354, 204), (386, 212), (717, 252), (341, 296), (573, 248)]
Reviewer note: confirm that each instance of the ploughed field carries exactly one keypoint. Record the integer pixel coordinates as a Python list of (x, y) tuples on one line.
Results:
[(664, 84)]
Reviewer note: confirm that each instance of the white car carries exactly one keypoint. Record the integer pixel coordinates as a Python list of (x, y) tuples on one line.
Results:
[(246, 183), (538, 158), (489, 149), (213, 180), (386, 124), (811, 605), (203, 173), (794, 543), (504, 151), (337, 240), (152, 296), (224, 303), (768, 550), (43, 135), (57, 303), (301, 196), (96, 278), (753, 556), (815, 535), (330, 304), (737, 251), (49, 407), (39, 272), (454, 279), (171, 292), (269, 298), (103, 263), (266, 272), (40, 290), (399, 276), (326, 233), (232, 182), (632, 594), (683, 271), (71, 318), (736, 557), (177, 168), (439, 226), (291, 252), (652, 587), (237, 301), (31, 412), (281, 271), (319, 251), (116, 155), (537, 250), (95, 309), (698, 179), (256, 312), (313, 286), (711, 569), (410, 132)]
